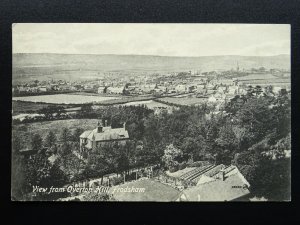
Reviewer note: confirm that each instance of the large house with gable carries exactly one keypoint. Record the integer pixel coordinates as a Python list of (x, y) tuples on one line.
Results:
[(91, 139)]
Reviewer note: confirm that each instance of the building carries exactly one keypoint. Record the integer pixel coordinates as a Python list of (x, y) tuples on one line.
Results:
[(226, 185), (91, 139), (148, 88), (101, 90), (181, 88), (210, 182), (115, 90), (43, 89)]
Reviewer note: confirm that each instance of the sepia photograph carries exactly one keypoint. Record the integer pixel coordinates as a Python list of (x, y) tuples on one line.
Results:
[(151, 112)]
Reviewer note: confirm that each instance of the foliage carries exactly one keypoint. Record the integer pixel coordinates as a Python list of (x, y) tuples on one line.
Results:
[(50, 140), (50, 110), (36, 143), (171, 156)]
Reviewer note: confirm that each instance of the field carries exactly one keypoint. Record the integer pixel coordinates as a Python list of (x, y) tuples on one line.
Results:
[(183, 101), (150, 104), (258, 77), (32, 107), (42, 128), (65, 99), (154, 191)]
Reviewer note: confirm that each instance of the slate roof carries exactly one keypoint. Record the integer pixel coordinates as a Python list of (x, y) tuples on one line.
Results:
[(234, 186), (107, 134)]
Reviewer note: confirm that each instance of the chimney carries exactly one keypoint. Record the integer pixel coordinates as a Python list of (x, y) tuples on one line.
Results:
[(100, 127), (222, 174)]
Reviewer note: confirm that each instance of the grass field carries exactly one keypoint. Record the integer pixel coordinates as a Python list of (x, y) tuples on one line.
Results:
[(150, 104), (31, 104), (65, 99), (26, 131), (153, 191), (258, 76), (32, 107)]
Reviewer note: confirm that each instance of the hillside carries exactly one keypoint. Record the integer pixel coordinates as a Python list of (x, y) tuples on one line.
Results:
[(26, 65)]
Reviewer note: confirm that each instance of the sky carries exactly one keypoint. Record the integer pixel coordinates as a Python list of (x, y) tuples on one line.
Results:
[(152, 39)]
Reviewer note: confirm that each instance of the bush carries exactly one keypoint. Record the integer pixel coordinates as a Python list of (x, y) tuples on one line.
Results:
[(116, 180), (198, 164), (182, 166), (174, 168)]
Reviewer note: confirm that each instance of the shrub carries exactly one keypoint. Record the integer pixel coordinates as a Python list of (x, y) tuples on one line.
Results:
[(116, 180), (174, 168), (198, 164), (182, 166)]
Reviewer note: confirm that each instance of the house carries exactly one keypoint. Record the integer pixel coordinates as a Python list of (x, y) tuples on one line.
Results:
[(43, 89), (212, 99), (160, 89), (200, 88), (148, 88), (225, 184), (91, 139), (222, 89), (232, 90), (101, 90), (181, 88), (115, 90)]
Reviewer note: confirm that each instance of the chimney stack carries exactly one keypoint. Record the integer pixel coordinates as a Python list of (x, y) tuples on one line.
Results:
[(222, 174), (100, 127)]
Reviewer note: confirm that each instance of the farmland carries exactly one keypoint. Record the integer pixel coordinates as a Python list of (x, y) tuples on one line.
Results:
[(150, 104), (32, 107), (65, 99), (258, 77)]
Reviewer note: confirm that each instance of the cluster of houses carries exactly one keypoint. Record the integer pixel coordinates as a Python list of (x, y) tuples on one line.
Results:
[(47, 86), (207, 83)]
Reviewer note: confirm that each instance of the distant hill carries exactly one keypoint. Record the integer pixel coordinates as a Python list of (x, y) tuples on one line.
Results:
[(30, 65)]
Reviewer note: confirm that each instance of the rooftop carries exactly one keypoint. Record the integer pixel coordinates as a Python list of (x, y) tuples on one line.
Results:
[(107, 134), (215, 189)]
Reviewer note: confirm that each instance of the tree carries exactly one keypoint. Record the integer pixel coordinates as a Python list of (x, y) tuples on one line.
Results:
[(86, 111), (50, 140), (257, 117), (76, 134), (19, 186), (50, 110), (226, 138), (65, 136), (65, 139), (36, 143), (235, 104), (16, 143), (38, 171), (193, 147), (171, 156)]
